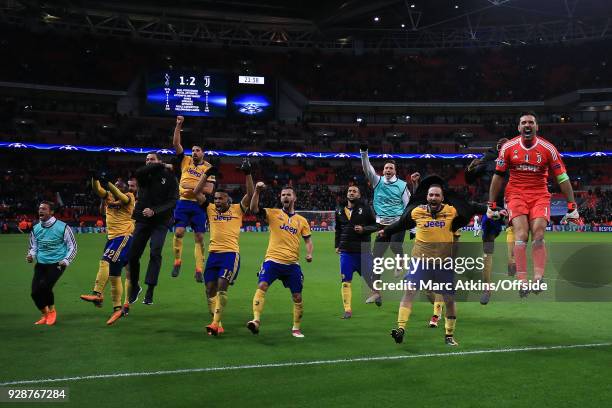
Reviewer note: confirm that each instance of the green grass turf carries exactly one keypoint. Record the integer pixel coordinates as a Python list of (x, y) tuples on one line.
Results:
[(169, 335)]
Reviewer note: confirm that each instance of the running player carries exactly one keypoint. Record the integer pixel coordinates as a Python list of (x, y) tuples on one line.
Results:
[(528, 157), (188, 210), (281, 260), (435, 223), (132, 188), (391, 197), (118, 205), (223, 263), (53, 246)]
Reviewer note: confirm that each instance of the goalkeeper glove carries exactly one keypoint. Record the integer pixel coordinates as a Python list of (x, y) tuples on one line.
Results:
[(492, 211), (572, 214), (363, 147), (245, 167)]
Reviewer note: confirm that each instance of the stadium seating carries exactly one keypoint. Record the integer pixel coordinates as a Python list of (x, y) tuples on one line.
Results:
[(320, 184)]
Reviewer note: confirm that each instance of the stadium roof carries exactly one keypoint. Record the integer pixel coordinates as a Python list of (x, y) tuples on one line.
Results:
[(327, 24)]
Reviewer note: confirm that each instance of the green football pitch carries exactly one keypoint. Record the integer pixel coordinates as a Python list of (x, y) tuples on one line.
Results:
[(511, 353)]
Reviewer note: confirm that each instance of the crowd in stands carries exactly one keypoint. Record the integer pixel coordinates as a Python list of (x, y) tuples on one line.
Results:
[(502, 74), (33, 125), (29, 177), (596, 207)]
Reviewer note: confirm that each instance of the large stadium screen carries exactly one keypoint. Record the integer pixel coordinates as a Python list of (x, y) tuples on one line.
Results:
[(186, 93), (252, 96)]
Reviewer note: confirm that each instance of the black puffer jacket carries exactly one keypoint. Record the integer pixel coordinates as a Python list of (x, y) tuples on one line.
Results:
[(157, 190), (347, 240)]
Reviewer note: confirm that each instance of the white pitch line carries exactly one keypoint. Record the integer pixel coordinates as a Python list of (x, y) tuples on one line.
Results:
[(301, 363)]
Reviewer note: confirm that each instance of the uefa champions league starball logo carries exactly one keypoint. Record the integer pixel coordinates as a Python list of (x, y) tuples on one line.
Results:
[(117, 150), (18, 146), (250, 109), (211, 153), (68, 147), (164, 151)]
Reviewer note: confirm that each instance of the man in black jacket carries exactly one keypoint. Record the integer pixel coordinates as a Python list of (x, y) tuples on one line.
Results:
[(354, 224), (157, 195)]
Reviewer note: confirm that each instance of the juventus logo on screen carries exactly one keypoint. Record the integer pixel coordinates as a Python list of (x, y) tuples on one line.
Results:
[(206, 107), (206, 81)]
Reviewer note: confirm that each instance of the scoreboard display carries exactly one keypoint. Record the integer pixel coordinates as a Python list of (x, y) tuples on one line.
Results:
[(187, 93), (210, 94), (252, 96)]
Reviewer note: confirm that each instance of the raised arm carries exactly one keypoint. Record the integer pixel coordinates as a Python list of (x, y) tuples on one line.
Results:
[(97, 188), (369, 171), (415, 180), (204, 186), (254, 206), (176, 138), (118, 194), (250, 188)]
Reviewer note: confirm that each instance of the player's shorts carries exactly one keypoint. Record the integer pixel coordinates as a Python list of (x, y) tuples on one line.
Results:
[(534, 206), (491, 227), (351, 262), (190, 213), (222, 265), (434, 274), (116, 253), (291, 275)]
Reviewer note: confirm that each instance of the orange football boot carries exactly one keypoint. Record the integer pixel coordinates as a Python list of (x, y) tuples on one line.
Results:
[(212, 329), (117, 314), (42, 320), (51, 317), (94, 298)]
